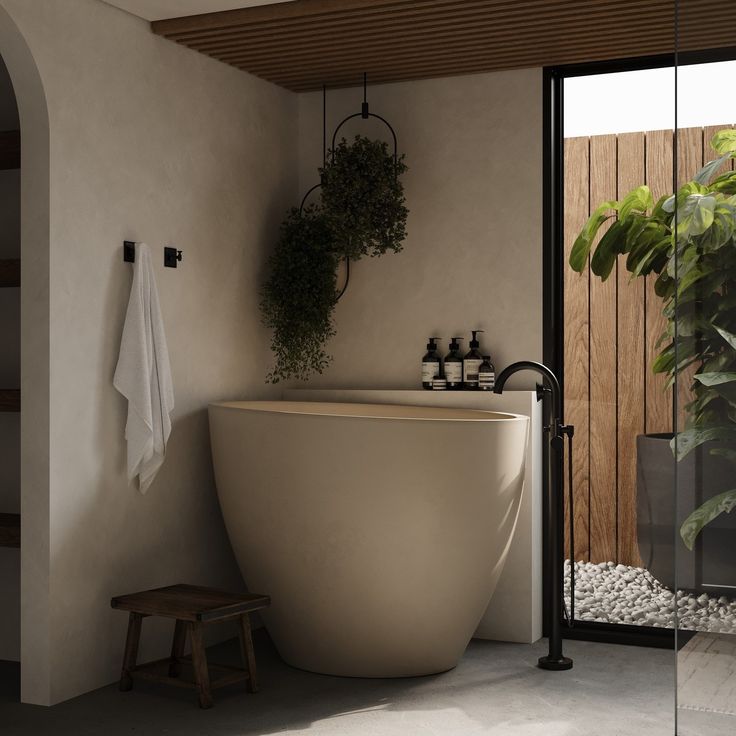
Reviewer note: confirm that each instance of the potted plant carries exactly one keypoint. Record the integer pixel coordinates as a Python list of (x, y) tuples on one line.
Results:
[(362, 212), (688, 241)]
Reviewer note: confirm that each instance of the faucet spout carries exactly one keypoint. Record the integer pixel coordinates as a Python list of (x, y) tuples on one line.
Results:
[(530, 365)]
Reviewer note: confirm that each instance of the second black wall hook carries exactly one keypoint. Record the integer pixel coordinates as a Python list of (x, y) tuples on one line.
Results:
[(172, 256)]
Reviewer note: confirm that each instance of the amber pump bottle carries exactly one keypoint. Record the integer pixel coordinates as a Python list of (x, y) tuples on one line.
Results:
[(431, 364), (471, 363), (454, 366)]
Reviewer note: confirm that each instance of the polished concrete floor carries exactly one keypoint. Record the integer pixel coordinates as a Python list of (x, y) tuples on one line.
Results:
[(496, 690)]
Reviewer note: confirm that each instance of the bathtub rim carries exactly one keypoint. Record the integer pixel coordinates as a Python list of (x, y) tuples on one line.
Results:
[(402, 412)]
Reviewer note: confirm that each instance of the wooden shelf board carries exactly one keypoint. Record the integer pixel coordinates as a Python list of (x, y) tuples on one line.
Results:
[(9, 400), (9, 272), (9, 530)]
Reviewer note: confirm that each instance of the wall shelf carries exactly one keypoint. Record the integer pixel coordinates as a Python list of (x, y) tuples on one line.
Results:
[(9, 272), (9, 400), (9, 530), (9, 149)]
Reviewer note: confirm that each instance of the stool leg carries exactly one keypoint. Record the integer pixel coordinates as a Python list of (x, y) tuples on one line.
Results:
[(177, 648), (131, 651), (249, 657), (199, 660)]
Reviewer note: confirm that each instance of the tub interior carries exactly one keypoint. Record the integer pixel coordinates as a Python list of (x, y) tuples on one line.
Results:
[(371, 411)]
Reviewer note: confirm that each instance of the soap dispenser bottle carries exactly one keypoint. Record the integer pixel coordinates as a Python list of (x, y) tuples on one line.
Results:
[(472, 362), (486, 374), (454, 366), (431, 365)]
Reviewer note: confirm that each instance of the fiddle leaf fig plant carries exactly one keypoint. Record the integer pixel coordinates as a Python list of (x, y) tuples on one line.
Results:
[(362, 212), (688, 242)]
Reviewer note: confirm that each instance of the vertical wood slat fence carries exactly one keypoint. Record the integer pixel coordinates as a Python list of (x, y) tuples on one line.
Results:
[(610, 332)]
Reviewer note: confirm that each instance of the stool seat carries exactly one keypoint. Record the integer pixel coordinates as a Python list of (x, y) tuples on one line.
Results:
[(192, 607), (190, 603)]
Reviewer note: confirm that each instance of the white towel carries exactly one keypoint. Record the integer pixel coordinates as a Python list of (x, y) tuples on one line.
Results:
[(143, 375)]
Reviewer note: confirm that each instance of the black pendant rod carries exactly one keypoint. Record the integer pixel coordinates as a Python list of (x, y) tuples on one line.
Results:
[(364, 113), (324, 148)]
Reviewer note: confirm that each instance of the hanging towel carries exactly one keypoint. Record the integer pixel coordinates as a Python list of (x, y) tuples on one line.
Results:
[(143, 375)]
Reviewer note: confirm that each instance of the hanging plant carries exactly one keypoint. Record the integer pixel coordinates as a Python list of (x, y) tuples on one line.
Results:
[(362, 212), (298, 298), (363, 198)]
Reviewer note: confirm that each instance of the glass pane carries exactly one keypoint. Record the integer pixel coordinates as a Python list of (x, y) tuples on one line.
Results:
[(618, 138), (702, 305)]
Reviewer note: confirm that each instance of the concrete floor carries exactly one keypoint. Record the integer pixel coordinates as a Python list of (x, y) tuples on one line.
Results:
[(496, 690)]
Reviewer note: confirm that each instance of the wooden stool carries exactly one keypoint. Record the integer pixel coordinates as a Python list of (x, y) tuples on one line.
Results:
[(192, 607)]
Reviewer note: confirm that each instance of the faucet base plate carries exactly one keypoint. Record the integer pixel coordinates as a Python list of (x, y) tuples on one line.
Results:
[(555, 663)]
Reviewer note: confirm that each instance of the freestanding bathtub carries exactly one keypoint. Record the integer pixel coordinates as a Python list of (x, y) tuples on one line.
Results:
[(379, 531)]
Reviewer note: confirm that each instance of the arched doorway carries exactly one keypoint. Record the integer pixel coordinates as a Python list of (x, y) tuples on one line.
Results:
[(34, 361)]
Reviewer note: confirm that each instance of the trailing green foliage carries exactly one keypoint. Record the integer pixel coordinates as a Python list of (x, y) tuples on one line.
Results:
[(688, 242), (363, 198), (299, 295), (362, 212)]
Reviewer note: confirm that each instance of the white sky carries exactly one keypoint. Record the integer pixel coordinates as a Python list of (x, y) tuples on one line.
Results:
[(645, 100)]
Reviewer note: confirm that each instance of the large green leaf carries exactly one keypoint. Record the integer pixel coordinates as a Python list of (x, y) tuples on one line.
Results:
[(637, 200), (683, 443), (727, 452), (724, 141), (714, 379), (664, 286), (677, 201), (706, 173), (722, 229), (696, 215), (584, 241), (729, 337), (723, 503), (611, 244)]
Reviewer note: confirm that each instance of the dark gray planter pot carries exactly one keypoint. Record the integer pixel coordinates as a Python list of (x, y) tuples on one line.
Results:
[(661, 509)]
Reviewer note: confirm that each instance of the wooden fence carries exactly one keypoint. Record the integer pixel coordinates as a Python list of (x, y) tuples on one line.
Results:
[(611, 328)]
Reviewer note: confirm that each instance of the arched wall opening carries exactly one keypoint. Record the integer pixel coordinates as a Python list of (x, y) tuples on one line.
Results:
[(34, 352)]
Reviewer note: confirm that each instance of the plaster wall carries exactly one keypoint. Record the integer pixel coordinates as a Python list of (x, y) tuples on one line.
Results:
[(148, 142), (473, 255), (128, 136)]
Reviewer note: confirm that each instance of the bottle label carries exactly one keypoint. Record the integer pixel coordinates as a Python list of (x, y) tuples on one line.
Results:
[(454, 372), (470, 369), (486, 380), (429, 371)]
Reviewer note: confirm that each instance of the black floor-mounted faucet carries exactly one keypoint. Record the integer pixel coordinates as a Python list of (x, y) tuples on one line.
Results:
[(556, 429)]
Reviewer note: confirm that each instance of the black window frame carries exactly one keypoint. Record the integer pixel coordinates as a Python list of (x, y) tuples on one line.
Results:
[(553, 274)]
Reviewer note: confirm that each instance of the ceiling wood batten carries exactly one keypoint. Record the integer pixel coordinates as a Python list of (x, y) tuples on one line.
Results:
[(304, 44)]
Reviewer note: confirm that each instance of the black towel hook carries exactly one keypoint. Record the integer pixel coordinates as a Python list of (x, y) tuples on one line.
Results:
[(172, 256)]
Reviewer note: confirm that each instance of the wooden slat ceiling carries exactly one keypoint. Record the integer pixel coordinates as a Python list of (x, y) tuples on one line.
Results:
[(304, 44)]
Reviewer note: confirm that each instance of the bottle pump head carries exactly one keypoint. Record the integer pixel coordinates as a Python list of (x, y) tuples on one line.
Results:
[(474, 342), (432, 344), (455, 344)]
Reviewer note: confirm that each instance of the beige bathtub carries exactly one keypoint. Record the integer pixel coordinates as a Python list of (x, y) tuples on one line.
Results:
[(379, 531)]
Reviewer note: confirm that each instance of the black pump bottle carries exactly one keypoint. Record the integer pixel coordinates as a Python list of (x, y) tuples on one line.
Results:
[(471, 363), (454, 366), (431, 364)]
